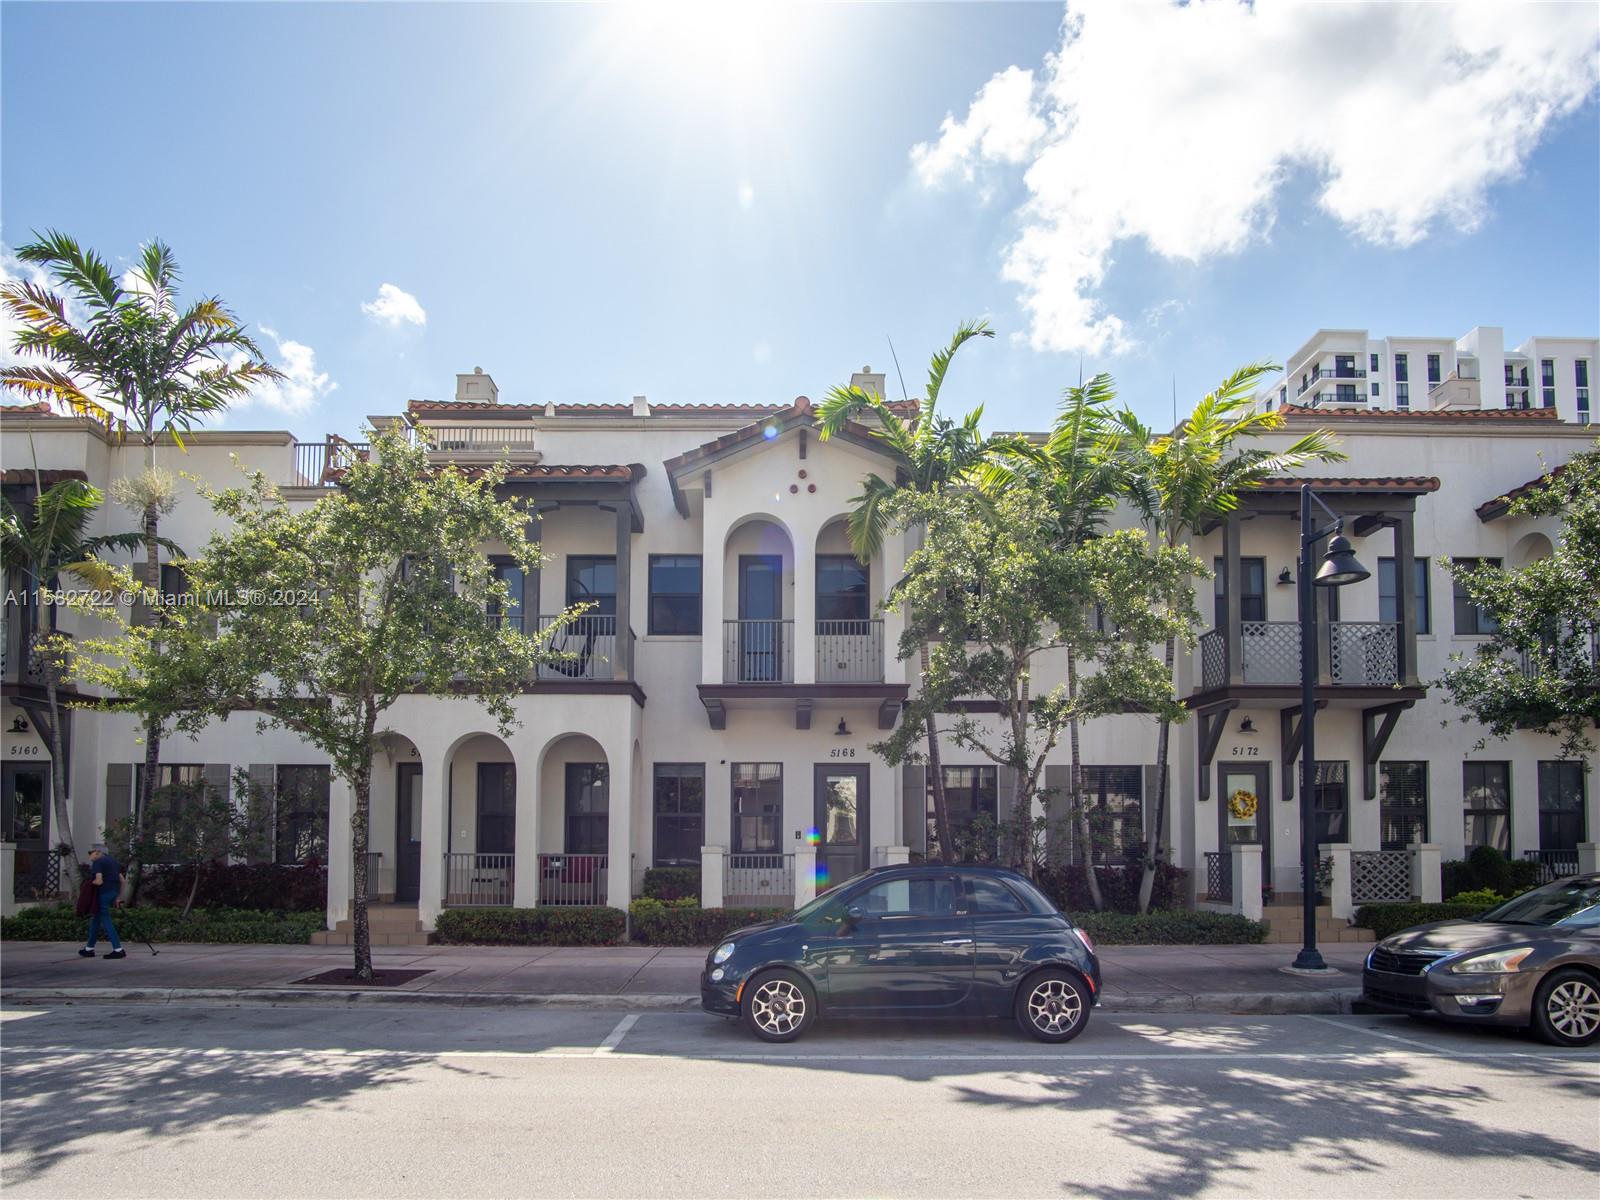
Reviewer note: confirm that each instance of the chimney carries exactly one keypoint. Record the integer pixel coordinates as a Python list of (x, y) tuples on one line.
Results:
[(477, 388), (641, 407), (868, 381)]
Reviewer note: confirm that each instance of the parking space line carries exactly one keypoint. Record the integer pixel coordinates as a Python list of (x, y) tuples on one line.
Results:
[(614, 1038), (1368, 1029)]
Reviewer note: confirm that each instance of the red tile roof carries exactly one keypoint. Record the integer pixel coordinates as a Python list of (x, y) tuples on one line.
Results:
[(1412, 484), (1491, 510), (478, 408), (25, 475), (626, 472), (37, 409), (1300, 412)]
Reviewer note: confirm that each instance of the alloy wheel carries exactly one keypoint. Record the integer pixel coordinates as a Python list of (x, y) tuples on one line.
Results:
[(778, 1007), (1054, 1006), (1573, 1008)]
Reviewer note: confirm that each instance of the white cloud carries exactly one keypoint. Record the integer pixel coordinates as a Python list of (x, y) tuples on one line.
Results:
[(394, 305), (1181, 125), (302, 385)]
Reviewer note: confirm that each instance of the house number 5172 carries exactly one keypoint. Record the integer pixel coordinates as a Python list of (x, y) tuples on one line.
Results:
[(1247, 751)]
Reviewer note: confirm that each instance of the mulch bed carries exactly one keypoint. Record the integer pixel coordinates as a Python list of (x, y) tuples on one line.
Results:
[(346, 977)]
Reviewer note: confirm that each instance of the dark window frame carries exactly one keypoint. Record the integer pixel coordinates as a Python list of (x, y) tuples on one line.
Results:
[(1252, 601), (1120, 827), (302, 827), (1391, 597), (666, 620), (604, 603), (1435, 368), (676, 816), (969, 797), (1476, 782), (831, 605), (584, 829), (768, 816), (1332, 783), (503, 566), (495, 813), (1470, 619), (1562, 826), (1407, 811)]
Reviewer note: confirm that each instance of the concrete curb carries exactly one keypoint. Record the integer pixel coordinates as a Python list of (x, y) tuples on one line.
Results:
[(1254, 1003)]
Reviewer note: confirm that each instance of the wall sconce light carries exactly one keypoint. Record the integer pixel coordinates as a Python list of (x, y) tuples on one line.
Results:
[(1285, 578), (1247, 726), (19, 726), (843, 730)]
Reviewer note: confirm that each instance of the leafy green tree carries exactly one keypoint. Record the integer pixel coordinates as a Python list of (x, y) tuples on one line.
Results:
[(134, 360), (994, 587), (932, 454), (1180, 481), (39, 543), (1540, 667), (319, 619)]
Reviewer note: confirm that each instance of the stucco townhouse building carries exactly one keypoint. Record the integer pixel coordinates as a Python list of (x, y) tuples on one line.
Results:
[(718, 702)]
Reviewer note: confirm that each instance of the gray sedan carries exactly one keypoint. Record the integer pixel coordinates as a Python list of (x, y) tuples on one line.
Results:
[(1532, 961)]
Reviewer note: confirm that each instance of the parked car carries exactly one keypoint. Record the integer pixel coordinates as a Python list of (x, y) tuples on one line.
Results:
[(1532, 961), (910, 941)]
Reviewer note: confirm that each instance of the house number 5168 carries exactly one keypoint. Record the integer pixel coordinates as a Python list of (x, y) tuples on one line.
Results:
[(842, 752)]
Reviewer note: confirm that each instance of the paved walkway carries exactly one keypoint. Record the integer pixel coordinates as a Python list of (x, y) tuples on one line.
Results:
[(1137, 978)]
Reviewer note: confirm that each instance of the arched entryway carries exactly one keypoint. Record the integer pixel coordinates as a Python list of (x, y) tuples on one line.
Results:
[(481, 829), (575, 790), (758, 589)]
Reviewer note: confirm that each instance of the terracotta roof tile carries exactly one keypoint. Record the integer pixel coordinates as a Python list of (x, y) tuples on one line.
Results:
[(626, 472), (1489, 510), (1352, 483), (477, 408), (37, 409), (25, 475), (1301, 412)]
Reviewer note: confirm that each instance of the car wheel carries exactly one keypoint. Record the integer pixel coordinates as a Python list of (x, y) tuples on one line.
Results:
[(1053, 1006), (778, 1006), (1566, 1008)]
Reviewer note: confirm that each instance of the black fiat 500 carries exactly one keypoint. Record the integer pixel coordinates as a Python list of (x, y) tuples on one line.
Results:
[(931, 941)]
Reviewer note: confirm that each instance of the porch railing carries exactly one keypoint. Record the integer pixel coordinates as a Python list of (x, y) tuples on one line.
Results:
[(587, 645), (319, 464), (1360, 653), (1219, 875), (478, 880), (1553, 864), (374, 876), (1380, 876), (758, 651), (1364, 653), (475, 441), (759, 880), (572, 880), (849, 651)]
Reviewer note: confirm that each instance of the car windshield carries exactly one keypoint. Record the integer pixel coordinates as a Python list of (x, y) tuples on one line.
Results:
[(812, 907), (1568, 902)]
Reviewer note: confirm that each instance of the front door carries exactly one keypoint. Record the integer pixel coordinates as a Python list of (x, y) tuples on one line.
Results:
[(408, 831), (841, 823), (1238, 824), (25, 820), (761, 618)]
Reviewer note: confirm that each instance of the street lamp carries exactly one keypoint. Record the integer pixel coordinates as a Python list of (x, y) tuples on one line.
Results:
[(1339, 567)]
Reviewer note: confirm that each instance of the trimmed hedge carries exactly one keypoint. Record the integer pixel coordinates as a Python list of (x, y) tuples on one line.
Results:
[(1180, 927), (678, 923), (672, 883), (1119, 886), (60, 923), (530, 926), (1385, 919), (265, 887)]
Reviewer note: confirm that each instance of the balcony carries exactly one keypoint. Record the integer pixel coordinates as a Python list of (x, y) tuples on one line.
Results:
[(587, 644), (320, 464), (1360, 654), (1321, 373), (480, 443), (849, 651), (1334, 397), (758, 651)]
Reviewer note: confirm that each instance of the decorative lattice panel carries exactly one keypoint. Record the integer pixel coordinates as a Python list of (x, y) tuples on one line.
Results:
[(1271, 651), (1365, 652), (1377, 876), (1219, 875), (1213, 659)]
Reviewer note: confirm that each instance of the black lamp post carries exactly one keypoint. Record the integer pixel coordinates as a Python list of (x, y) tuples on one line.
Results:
[(1339, 567)]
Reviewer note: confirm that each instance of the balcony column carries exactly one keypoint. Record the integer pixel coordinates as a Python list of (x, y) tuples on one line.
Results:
[(525, 866), (622, 653), (712, 633), (341, 806), (435, 833), (805, 605), (1406, 595), (891, 565), (1233, 591)]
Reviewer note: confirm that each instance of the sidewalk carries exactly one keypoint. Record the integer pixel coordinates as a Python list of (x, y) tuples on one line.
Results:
[(1137, 978)]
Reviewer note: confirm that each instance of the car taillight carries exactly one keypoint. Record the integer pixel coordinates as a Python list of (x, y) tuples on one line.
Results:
[(1084, 938)]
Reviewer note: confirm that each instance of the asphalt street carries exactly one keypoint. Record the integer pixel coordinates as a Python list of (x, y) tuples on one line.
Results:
[(168, 1101)]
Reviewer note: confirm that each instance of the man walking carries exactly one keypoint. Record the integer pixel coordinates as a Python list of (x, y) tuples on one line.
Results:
[(106, 875)]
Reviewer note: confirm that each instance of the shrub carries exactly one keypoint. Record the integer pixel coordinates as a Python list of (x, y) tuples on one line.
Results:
[(259, 886), (60, 923), (1482, 897), (1490, 869), (672, 883), (1170, 928), (678, 923), (530, 926), (1385, 919), (1487, 868), (1524, 875), (1119, 887)]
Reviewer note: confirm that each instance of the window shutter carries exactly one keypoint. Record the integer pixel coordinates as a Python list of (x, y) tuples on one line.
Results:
[(1058, 829), (119, 792), (914, 805)]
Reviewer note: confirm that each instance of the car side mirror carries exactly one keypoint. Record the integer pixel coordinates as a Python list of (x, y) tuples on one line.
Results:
[(853, 916)]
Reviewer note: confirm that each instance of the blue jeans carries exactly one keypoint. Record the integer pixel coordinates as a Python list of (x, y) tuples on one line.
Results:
[(101, 919)]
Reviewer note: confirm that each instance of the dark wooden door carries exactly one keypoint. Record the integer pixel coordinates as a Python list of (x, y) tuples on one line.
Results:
[(408, 831), (841, 808)]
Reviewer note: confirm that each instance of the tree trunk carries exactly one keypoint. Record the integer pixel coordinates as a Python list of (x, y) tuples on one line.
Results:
[(152, 725), (941, 815), (1022, 805), (58, 773), (1080, 816), (1152, 858), (194, 889), (361, 935)]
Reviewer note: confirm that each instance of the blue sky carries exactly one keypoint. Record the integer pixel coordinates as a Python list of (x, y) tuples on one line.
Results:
[(730, 204)]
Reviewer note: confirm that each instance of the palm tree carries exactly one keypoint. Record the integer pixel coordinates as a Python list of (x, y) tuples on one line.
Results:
[(932, 453), (1181, 480), (37, 547), (135, 361), (1084, 484)]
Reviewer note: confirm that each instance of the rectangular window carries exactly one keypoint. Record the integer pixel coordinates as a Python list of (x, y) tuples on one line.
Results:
[(1389, 594), (1283, 396), (1401, 368), (1547, 382), (1253, 607), (1561, 816), (174, 585), (1402, 804), (1580, 375), (841, 590), (1377, 389), (301, 821), (173, 782), (1373, 365), (1433, 369), (1114, 800), (972, 796), (592, 580), (1402, 395), (509, 572), (1332, 801), (680, 806), (588, 813), (1345, 393), (497, 808), (1344, 366), (675, 595), (1469, 617), (1486, 804), (757, 807)]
